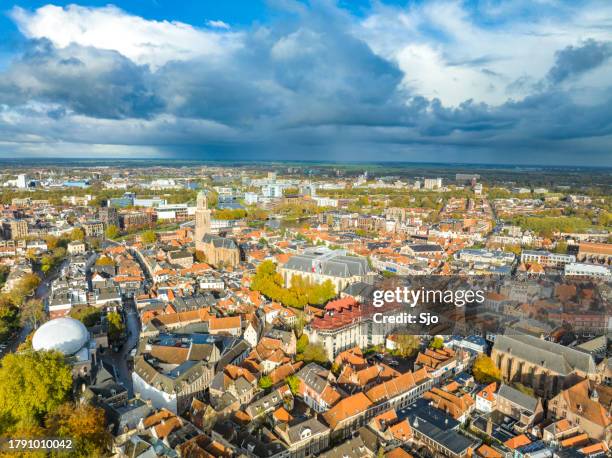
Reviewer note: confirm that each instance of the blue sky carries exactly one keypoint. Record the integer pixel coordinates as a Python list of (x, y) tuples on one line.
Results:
[(521, 81)]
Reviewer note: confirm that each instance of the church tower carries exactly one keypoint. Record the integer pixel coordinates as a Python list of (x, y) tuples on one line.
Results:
[(202, 219)]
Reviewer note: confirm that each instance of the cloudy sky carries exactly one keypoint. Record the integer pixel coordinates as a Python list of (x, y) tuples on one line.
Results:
[(480, 81)]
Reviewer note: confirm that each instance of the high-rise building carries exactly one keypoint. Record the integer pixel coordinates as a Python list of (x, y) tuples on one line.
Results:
[(22, 181), (432, 183), (109, 216), (15, 229), (202, 219)]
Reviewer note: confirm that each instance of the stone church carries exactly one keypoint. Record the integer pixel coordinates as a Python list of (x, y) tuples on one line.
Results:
[(219, 251)]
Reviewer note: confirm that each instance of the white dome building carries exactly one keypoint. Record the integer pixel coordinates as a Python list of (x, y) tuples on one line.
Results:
[(66, 335)]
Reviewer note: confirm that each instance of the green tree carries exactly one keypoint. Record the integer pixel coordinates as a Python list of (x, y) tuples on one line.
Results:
[(115, 325), (111, 232), (302, 343), (560, 247), (149, 237), (313, 353), (265, 382), (84, 424), (77, 234), (294, 383), (33, 384), (484, 370), (87, 314), (436, 343), (9, 316)]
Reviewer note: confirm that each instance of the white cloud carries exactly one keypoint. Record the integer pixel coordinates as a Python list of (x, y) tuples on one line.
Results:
[(143, 41), (446, 53), (218, 24)]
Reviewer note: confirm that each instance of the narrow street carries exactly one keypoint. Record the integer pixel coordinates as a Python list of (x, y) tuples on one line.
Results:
[(118, 361)]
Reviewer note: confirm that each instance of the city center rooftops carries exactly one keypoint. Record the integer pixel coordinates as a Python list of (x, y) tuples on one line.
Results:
[(333, 263), (558, 358)]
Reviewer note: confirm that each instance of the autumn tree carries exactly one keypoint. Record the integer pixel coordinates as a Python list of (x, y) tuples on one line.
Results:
[(111, 232), (301, 292), (33, 383), (313, 353), (115, 325), (77, 234), (407, 345), (149, 237), (105, 261), (200, 256), (84, 424), (484, 370), (32, 312), (86, 314), (24, 288)]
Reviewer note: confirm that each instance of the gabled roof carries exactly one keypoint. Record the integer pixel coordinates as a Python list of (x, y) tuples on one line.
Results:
[(522, 400), (557, 358), (396, 386), (348, 407)]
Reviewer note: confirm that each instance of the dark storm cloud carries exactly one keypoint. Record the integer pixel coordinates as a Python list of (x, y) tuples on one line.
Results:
[(305, 88), (89, 81), (576, 60)]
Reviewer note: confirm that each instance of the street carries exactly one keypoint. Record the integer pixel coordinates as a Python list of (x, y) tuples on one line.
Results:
[(118, 361)]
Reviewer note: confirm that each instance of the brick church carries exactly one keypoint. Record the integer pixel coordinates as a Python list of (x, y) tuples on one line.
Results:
[(219, 251)]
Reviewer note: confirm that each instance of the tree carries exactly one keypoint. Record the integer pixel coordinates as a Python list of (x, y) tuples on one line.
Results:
[(77, 234), (115, 325), (87, 314), (437, 343), (313, 353), (200, 256), (111, 232), (302, 291), (84, 424), (32, 312), (9, 316), (294, 383), (484, 370), (407, 345), (149, 237), (24, 288), (302, 343), (560, 247), (105, 261), (265, 382), (33, 383)]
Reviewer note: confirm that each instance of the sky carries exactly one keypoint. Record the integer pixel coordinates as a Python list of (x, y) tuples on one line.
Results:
[(478, 81)]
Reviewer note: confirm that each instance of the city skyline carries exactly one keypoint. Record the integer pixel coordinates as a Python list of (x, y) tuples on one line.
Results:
[(480, 82)]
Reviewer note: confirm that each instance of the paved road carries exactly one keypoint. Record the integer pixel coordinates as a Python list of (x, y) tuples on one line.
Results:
[(118, 361)]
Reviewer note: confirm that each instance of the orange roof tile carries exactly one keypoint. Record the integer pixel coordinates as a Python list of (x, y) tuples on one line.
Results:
[(348, 407), (517, 441)]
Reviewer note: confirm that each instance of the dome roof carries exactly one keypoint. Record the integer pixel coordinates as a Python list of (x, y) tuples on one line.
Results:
[(66, 335)]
